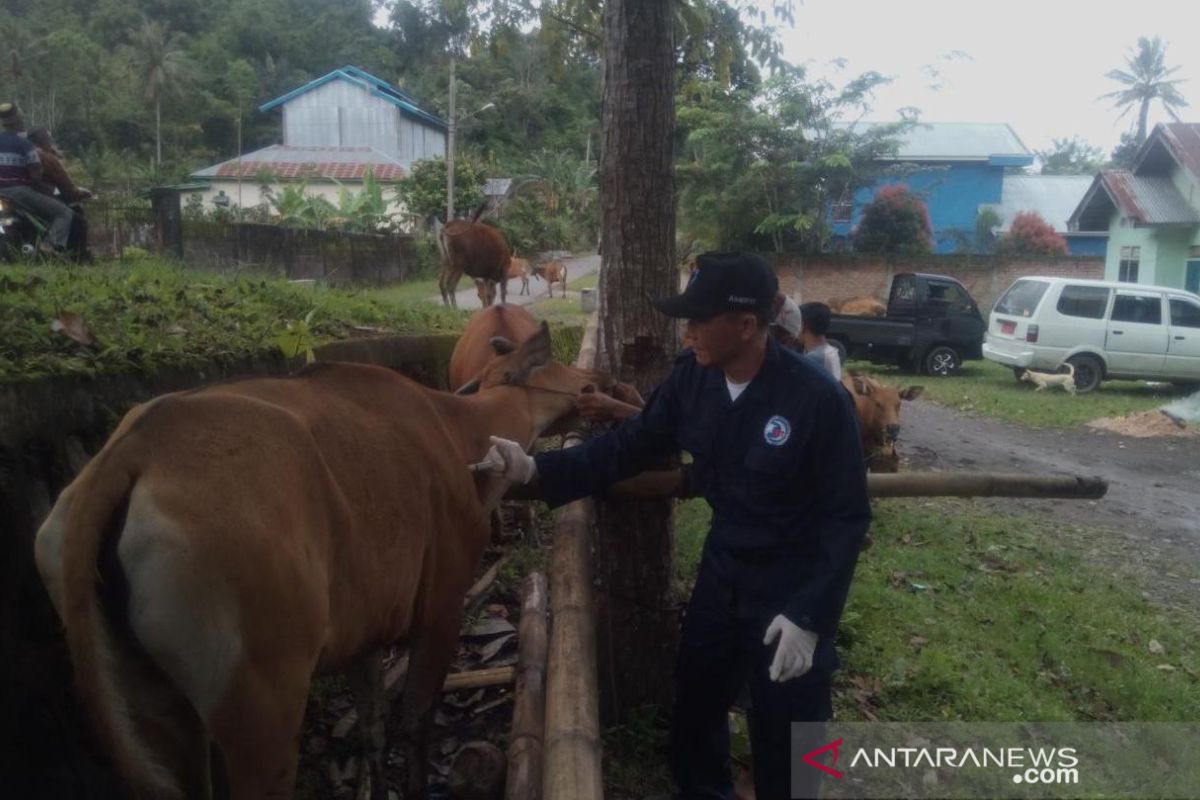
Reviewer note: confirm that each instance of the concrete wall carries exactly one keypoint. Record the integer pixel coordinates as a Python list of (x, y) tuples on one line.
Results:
[(827, 276)]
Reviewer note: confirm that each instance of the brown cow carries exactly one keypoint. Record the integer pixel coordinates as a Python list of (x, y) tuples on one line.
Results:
[(552, 272), (228, 543), (878, 407), (473, 350), (519, 268), (858, 307), (476, 249)]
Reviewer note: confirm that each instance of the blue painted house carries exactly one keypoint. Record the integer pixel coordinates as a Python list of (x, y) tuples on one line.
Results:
[(957, 168)]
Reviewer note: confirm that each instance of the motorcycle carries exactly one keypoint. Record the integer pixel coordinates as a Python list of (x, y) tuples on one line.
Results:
[(21, 232)]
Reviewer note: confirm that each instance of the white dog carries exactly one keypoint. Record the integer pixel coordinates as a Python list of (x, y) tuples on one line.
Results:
[(1044, 380)]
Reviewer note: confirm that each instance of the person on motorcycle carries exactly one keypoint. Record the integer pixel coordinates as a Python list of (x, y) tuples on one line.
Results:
[(20, 173), (54, 171)]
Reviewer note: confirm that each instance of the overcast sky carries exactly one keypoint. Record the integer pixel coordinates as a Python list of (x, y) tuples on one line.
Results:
[(1036, 64)]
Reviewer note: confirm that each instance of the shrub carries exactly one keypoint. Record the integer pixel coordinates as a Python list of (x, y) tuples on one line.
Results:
[(896, 221), (1031, 235)]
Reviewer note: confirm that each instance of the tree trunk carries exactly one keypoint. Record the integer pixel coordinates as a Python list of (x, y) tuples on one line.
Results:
[(638, 621), (1143, 113), (158, 136)]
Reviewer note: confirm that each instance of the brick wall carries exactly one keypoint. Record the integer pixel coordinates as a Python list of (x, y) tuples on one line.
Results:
[(827, 276)]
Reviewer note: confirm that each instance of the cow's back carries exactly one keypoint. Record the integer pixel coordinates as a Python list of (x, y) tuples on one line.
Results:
[(395, 489)]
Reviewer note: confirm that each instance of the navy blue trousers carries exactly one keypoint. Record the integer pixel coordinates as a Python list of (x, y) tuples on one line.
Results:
[(721, 649)]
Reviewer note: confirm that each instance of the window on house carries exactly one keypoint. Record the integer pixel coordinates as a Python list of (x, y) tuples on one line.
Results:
[(1128, 271), (1089, 302), (1185, 314), (1142, 308), (843, 211)]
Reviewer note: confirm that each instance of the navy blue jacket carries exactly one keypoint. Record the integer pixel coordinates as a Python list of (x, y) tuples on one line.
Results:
[(781, 467)]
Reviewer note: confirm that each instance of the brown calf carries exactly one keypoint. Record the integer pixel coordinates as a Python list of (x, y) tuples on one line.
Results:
[(878, 407), (477, 250), (230, 542), (519, 268), (552, 272)]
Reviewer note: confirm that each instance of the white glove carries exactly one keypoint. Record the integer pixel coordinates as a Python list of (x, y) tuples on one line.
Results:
[(794, 655), (508, 460)]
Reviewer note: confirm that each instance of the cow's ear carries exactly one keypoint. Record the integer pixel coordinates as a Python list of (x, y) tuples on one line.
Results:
[(862, 386), (911, 393), (501, 345), (534, 352)]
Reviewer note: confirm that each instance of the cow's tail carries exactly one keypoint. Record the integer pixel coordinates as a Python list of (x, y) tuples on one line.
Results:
[(479, 211), (108, 661)]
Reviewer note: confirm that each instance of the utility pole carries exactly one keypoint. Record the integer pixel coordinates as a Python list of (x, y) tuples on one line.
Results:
[(450, 151)]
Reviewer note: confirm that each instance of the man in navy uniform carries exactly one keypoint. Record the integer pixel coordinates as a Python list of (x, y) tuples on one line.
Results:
[(776, 453)]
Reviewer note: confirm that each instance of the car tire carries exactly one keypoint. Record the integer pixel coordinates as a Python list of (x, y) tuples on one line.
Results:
[(842, 355), (1089, 372), (941, 361)]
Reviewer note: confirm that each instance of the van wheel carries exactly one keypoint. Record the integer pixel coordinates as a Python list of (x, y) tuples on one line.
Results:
[(942, 361), (841, 350), (1089, 371)]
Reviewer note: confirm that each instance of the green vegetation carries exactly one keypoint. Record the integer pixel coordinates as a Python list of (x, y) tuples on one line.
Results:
[(961, 614), (152, 314), (988, 389)]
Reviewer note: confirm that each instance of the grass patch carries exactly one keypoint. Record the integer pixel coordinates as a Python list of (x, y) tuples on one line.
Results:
[(988, 389), (154, 314), (957, 614), (425, 291)]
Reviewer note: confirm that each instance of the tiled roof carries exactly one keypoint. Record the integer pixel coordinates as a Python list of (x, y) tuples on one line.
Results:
[(290, 162), (956, 141)]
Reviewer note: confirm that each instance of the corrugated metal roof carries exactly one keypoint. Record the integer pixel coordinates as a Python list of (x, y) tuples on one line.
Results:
[(956, 141), (497, 187), (370, 83), (1052, 197), (1184, 140), (1148, 200), (290, 162)]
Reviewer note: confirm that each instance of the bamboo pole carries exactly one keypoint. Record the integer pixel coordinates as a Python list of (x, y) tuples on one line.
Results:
[(484, 583), (529, 708), (571, 769), (477, 679), (669, 483)]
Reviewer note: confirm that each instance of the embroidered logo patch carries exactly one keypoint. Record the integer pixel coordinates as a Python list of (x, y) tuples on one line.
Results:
[(777, 431)]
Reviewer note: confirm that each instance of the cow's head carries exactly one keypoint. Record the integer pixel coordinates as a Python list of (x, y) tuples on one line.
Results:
[(878, 407), (529, 365)]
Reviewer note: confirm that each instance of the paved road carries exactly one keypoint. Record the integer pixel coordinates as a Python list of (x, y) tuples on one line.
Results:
[(576, 268)]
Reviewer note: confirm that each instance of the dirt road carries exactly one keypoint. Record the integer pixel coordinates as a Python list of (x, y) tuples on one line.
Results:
[(1153, 501)]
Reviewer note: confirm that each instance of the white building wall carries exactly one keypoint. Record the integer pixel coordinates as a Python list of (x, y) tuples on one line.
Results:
[(252, 196)]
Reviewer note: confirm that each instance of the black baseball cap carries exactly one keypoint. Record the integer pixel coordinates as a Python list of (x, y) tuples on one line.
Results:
[(724, 282)]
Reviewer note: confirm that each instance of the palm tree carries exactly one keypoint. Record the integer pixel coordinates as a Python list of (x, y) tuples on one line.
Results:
[(164, 69), (1146, 79)]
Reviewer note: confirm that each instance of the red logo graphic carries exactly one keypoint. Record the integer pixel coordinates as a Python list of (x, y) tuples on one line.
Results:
[(811, 758)]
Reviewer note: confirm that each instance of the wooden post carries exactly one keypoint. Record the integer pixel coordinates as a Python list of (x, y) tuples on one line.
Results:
[(529, 707)]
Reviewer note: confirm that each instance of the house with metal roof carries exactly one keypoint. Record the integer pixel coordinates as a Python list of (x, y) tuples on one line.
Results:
[(955, 167), (1151, 211), (335, 129), (1053, 198)]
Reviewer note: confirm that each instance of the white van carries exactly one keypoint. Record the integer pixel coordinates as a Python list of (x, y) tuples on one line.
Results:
[(1104, 329)]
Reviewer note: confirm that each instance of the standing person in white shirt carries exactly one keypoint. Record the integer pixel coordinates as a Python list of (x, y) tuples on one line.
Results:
[(815, 324)]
